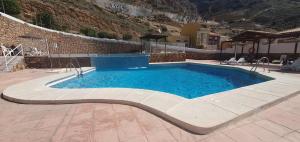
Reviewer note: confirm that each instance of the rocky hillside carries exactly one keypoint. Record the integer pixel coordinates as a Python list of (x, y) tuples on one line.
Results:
[(132, 18), (278, 14), (79, 15), (106, 18)]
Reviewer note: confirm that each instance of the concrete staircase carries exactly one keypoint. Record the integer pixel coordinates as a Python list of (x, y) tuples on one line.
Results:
[(15, 65)]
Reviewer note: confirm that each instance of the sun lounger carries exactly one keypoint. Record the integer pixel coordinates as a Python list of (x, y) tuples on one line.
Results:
[(294, 66), (231, 61), (282, 60), (241, 60)]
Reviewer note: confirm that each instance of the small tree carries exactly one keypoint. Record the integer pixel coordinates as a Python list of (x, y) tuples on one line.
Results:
[(88, 32), (45, 19), (127, 37), (164, 29), (10, 7)]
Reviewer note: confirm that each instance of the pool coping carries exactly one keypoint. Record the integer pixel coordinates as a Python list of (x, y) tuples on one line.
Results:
[(199, 115)]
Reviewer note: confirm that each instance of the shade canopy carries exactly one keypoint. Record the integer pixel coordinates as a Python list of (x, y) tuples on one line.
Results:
[(290, 33), (251, 35)]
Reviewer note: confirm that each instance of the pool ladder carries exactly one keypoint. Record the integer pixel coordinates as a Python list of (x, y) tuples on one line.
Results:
[(262, 60), (79, 71)]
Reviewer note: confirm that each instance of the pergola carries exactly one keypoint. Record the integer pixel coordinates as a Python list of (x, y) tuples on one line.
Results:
[(293, 33), (256, 36), (156, 37)]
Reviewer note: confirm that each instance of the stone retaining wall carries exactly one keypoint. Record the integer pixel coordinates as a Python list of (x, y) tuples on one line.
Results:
[(11, 30), (62, 62), (169, 57), (45, 62)]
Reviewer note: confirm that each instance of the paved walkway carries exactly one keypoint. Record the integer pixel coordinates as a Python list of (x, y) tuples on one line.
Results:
[(120, 123)]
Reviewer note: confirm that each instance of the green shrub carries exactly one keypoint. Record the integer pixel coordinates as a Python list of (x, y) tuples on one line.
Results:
[(103, 34), (107, 35), (127, 37), (11, 7), (88, 32), (45, 19)]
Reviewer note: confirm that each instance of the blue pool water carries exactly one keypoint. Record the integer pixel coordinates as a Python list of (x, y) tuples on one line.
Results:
[(186, 80)]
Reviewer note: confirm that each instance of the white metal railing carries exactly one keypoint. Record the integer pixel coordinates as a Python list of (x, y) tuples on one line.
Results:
[(12, 56), (71, 65), (262, 60)]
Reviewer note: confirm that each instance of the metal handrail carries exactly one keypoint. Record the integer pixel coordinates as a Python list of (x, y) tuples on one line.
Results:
[(78, 64), (8, 61), (254, 68), (71, 65)]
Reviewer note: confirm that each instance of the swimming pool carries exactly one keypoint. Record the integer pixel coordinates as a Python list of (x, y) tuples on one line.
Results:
[(187, 80)]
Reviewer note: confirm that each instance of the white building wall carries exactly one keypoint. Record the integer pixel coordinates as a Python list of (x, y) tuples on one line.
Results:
[(275, 48)]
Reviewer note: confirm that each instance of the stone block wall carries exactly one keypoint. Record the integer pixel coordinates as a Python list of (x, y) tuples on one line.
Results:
[(62, 62), (13, 31), (45, 62), (169, 57)]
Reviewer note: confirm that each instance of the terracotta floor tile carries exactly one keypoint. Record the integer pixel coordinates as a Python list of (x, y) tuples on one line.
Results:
[(273, 127), (289, 106), (182, 135), (261, 133), (160, 136), (44, 123), (281, 117), (84, 108), (149, 123), (293, 137), (104, 125), (137, 139), (82, 118), (78, 133), (59, 133), (128, 129), (239, 135), (106, 135), (219, 137), (39, 134)]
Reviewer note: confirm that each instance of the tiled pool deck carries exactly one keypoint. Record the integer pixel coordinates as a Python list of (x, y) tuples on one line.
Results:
[(200, 115), (96, 122)]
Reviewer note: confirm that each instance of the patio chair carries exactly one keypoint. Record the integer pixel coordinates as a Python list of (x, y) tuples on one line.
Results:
[(35, 52), (242, 60), (282, 60), (295, 66), (231, 61), (6, 51)]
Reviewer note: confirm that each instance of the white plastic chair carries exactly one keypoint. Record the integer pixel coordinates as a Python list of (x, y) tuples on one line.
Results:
[(231, 61), (35, 52), (241, 60), (281, 60), (6, 51)]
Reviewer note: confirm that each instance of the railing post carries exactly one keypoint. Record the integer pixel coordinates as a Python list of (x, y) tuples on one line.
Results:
[(6, 64), (22, 50)]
